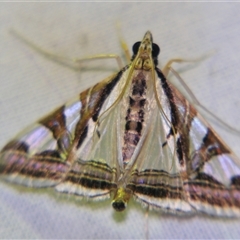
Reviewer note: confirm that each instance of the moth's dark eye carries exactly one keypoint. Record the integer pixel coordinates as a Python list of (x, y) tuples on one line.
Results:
[(155, 50), (135, 47)]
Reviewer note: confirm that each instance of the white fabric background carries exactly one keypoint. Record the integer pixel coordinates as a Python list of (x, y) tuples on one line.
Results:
[(31, 86)]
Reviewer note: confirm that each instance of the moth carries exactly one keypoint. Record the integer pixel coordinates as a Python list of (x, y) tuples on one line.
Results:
[(131, 135)]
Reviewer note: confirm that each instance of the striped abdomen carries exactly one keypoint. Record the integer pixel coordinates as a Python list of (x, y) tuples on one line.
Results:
[(134, 116)]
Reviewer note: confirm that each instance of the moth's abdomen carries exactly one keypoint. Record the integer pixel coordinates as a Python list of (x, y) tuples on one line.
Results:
[(134, 116)]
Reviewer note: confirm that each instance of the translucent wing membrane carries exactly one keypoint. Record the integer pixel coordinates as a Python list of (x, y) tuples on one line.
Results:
[(156, 178), (58, 151), (133, 134)]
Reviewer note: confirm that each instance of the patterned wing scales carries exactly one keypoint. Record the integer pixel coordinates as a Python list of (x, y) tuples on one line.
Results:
[(57, 150), (186, 170), (211, 178), (37, 156), (95, 169), (155, 177)]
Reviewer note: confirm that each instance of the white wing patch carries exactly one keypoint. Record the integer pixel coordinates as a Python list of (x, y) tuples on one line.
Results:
[(222, 168)]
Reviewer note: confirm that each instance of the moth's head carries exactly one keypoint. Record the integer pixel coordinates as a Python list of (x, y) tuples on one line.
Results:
[(146, 49)]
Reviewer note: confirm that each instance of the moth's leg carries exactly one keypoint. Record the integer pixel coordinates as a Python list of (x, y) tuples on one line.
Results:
[(123, 43), (66, 60), (125, 49), (101, 56), (168, 68)]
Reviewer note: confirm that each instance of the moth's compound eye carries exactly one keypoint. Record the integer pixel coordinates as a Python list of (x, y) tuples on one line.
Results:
[(155, 50), (136, 47)]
